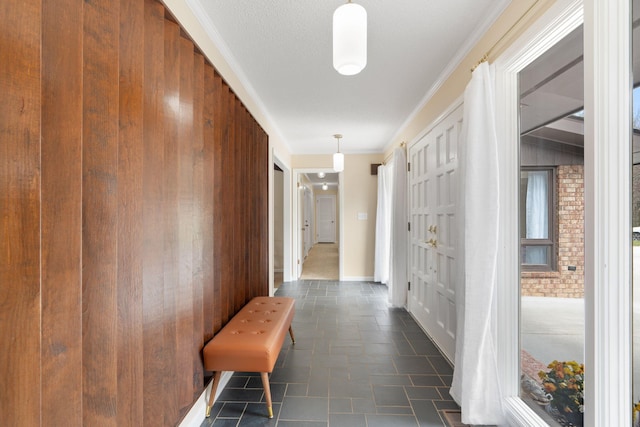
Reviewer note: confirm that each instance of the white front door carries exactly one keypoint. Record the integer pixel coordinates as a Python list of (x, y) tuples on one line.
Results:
[(433, 196), (326, 218)]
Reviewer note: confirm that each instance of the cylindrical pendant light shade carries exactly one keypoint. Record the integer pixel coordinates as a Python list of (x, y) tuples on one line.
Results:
[(338, 162), (349, 39)]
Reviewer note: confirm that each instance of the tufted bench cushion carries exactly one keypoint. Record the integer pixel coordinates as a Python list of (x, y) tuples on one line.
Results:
[(251, 341)]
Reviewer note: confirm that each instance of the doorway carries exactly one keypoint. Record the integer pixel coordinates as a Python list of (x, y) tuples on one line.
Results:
[(281, 217), (278, 226), (317, 195)]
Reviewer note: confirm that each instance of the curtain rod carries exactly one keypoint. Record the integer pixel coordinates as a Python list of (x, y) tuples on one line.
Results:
[(485, 57), (403, 144)]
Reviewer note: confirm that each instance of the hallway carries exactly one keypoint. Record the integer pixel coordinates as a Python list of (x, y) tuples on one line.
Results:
[(356, 362)]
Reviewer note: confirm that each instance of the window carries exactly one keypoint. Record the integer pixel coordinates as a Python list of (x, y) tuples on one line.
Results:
[(537, 219)]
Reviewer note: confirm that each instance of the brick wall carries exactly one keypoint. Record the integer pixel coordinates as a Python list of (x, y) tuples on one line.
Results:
[(570, 223)]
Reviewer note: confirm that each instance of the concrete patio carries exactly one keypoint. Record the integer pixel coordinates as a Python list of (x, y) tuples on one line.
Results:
[(553, 328)]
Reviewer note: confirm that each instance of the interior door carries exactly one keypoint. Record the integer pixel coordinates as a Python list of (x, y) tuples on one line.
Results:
[(326, 218), (433, 252)]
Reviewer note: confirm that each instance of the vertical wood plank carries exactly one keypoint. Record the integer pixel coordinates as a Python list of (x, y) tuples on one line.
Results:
[(252, 214), (61, 238), (20, 212), (199, 224), (218, 214), (170, 208), (153, 215), (130, 219), (256, 252), (264, 208), (240, 211), (231, 174), (186, 230), (100, 211), (227, 279), (249, 178), (211, 233)]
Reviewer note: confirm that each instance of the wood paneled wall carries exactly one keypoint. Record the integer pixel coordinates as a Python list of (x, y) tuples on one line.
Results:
[(133, 213)]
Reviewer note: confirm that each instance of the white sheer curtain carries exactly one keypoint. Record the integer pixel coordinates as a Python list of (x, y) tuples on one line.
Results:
[(537, 217), (475, 384), (399, 220), (391, 228), (383, 225)]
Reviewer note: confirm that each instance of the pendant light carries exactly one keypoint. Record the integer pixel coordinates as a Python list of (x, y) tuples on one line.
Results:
[(349, 39), (338, 158), (325, 186)]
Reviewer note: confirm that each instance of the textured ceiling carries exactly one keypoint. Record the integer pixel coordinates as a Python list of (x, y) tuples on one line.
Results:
[(281, 50)]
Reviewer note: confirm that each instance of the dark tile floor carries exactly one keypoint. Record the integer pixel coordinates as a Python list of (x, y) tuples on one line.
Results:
[(356, 362)]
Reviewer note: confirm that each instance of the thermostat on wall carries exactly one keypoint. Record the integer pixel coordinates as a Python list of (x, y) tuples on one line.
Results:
[(362, 216)]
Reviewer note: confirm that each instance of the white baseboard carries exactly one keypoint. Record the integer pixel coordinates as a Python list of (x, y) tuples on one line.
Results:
[(357, 279), (196, 414)]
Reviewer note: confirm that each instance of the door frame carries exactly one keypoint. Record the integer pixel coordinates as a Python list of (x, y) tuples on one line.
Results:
[(296, 269), (286, 219), (607, 206)]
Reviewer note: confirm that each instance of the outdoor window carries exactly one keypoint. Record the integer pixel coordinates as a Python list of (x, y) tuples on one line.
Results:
[(537, 225)]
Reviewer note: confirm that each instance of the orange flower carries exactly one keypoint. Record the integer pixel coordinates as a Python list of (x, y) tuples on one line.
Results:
[(550, 387)]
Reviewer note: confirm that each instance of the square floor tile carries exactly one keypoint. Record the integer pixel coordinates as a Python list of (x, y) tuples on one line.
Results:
[(427, 414), (390, 395), (426, 380), (340, 406), (413, 365), (305, 409), (347, 420), (391, 420), (425, 393)]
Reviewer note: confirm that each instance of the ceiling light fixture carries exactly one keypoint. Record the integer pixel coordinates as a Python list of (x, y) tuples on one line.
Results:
[(349, 39), (325, 186), (338, 158), (321, 175)]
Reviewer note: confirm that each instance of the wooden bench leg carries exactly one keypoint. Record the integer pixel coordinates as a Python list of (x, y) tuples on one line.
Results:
[(293, 339), (214, 388), (267, 392)]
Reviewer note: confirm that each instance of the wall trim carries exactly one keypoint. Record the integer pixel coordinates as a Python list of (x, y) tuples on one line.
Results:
[(608, 338), (357, 279), (196, 414)]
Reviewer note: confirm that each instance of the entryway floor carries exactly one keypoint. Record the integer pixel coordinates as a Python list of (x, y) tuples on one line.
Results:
[(356, 362)]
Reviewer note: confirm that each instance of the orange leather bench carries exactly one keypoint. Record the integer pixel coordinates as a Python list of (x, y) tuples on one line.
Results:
[(251, 342)]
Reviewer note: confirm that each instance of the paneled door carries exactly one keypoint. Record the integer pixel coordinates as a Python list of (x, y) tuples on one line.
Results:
[(326, 218), (433, 184)]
